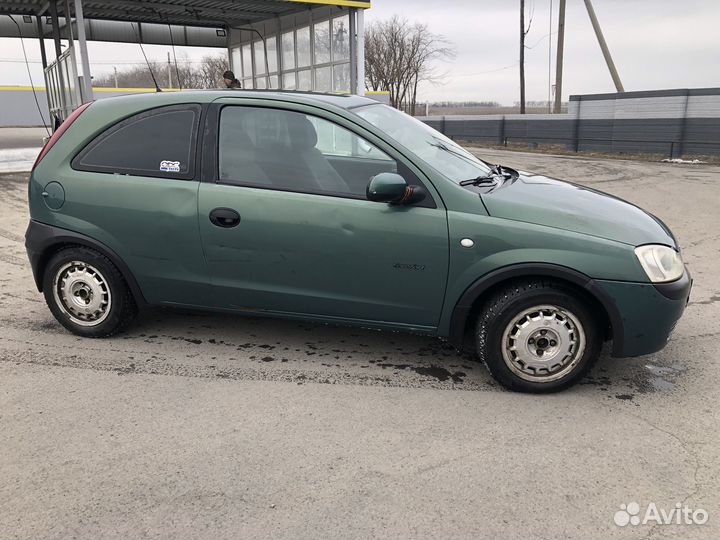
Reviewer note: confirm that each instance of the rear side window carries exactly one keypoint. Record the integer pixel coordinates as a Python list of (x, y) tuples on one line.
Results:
[(158, 143)]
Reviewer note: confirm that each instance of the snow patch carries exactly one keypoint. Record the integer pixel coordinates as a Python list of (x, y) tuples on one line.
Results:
[(17, 159), (678, 160)]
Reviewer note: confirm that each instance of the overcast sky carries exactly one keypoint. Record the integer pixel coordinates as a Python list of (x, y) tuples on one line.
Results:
[(655, 44)]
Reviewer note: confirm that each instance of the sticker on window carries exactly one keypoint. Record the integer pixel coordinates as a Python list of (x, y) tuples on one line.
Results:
[(170, 166)]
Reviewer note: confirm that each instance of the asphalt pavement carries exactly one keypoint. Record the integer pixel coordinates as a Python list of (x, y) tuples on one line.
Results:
[(197, 425)]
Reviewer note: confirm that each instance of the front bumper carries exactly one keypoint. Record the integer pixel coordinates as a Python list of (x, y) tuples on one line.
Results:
[(647, 313)]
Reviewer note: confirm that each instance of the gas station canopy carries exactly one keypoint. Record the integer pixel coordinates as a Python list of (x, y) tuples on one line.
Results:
[(207, 13), (315, 45)]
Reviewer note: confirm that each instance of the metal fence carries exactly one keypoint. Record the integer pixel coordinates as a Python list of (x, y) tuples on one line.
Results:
[(62, 85), (673, 123)]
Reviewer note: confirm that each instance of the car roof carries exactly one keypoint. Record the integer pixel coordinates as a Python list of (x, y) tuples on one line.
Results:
[(345, 101)]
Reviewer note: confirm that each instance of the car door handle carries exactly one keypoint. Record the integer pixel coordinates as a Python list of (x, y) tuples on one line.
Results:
[(224, 217)]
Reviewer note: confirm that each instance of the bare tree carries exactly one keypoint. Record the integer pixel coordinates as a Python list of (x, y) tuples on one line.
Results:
[(131, 77), (523, 33), (399, 56), (206, 73)]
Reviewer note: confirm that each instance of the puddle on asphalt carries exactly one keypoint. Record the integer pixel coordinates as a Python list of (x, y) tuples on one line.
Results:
[(655, 378), (645, 379), (652, 378)]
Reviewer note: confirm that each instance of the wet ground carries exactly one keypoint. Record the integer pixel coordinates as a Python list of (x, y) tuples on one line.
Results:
[(201, 425)]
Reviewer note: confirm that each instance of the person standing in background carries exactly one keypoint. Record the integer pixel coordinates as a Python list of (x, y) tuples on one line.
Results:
[(230, 80)]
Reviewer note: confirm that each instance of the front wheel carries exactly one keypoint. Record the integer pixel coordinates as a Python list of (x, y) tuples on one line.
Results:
[(537, 336)]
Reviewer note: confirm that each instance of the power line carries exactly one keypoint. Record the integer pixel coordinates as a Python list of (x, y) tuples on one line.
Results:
[(539, 40)]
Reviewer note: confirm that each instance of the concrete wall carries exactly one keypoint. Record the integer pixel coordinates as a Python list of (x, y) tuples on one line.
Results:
[(667, 122), (18, 108)]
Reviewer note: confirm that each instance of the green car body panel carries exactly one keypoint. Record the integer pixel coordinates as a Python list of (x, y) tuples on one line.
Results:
[(349, 260)]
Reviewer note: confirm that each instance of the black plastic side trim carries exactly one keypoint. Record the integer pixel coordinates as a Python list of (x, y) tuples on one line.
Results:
[(676, 290), (209, 143), (462, 309), (41, 238)]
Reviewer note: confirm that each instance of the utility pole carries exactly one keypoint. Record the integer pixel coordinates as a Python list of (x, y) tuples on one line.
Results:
[(604, 47), (360, 50), (559, 61), (169, 68), (87, 91), (522, 56), (550, 60), (115, 73)]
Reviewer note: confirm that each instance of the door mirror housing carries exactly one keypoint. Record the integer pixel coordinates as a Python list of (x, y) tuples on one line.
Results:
[(393, 189)]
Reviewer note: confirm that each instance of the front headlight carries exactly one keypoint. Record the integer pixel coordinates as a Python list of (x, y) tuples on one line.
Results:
[(661, 263)]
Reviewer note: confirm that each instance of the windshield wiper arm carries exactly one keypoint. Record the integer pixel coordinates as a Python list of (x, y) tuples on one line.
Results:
[(480, 181), (504, 172)]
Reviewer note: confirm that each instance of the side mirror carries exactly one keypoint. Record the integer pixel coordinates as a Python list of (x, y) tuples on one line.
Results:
[(393, 189)]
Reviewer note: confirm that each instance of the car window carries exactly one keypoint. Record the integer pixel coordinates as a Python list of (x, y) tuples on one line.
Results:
[(156, 143), (291, 151)]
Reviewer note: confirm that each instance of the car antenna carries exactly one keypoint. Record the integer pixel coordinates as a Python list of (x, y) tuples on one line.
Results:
[(152, 75), (172, 44), (177, 71)]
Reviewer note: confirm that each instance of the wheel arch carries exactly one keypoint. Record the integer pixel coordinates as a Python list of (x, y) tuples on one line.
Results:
[(471, 301), (43, 241)]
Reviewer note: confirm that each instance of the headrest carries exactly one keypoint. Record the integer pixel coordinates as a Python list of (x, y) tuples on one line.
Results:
[(235, 127), (301, 131)]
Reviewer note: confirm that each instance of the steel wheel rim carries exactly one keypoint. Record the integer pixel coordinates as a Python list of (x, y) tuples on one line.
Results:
[(82, 293), (543, 343)]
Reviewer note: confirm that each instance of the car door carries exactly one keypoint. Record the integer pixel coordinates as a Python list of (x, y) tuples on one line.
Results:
[(287, 229)]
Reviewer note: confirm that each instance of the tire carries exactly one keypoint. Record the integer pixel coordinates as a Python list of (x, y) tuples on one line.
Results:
[(87, 294), (537, 336)]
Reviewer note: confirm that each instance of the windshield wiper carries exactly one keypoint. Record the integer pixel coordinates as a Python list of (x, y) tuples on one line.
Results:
[(496, 172)]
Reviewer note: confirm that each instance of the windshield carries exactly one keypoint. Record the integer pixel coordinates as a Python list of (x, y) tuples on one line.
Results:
[(445, 156)]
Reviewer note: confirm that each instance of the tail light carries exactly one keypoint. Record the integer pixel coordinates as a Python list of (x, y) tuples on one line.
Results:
[(59, 132)]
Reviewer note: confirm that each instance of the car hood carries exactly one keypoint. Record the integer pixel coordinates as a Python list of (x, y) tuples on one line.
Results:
[(546, 201)]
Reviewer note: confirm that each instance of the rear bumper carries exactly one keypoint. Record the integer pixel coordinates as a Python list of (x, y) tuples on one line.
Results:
[(37, 237), (648, 313)]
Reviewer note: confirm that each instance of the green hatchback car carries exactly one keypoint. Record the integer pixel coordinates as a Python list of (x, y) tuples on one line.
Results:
[(339, 209)]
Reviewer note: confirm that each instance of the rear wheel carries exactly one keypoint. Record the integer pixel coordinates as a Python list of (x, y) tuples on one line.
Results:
[(537, 336), (87, 294)]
